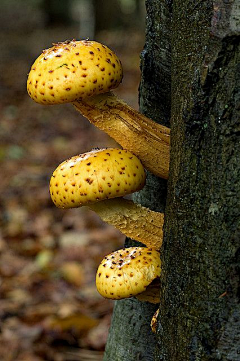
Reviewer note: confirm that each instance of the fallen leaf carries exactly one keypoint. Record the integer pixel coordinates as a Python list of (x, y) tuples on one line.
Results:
[(79, 322), (73, 273)]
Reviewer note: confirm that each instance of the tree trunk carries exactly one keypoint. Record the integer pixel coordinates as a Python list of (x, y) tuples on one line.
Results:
[(130, 337), (199, 316)]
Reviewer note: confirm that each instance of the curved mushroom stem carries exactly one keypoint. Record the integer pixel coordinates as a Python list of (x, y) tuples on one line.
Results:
[(135, 221), (151, 294), (149, 141)]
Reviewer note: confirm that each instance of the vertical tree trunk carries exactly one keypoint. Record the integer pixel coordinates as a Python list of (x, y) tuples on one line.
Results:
[(200, 311), (130, 336), (199, 315)]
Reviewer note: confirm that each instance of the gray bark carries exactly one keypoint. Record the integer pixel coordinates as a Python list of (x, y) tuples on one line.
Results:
[(199, 315), (130, 337), (200, 312)]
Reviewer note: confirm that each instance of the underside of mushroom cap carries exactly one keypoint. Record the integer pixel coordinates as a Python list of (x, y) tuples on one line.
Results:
[(127, 272), (73, 70), (95, 176)]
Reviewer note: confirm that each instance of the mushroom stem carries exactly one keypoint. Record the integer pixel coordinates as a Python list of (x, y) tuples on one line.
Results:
[(134, 220), (149, 141), (151, 294)]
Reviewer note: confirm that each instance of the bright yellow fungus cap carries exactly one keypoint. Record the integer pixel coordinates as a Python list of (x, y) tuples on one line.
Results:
[(127, 272), (73, 70), (95, 176)]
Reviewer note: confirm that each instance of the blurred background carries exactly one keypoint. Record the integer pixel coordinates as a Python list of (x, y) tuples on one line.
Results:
[(49, 306)]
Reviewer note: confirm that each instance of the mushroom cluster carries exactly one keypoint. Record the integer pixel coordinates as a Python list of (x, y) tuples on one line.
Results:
[(83, 73)]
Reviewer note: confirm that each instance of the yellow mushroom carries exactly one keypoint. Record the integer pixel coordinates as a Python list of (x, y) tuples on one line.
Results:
[(73, 70), (83, 72), (95, 179), (129, 272)]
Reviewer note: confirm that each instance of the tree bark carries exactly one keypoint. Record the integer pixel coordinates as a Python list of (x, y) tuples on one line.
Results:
[(199, 316), (130, 337)]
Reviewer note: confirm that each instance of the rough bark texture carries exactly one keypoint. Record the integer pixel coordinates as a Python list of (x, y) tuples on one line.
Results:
[(130, 336), (200, 311)]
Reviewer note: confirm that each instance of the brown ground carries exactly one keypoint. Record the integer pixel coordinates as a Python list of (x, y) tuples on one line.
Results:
[(49, 308)]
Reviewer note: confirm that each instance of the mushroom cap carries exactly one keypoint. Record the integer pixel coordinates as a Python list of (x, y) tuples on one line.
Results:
[(94, 176), (73, 70), (127, 272)]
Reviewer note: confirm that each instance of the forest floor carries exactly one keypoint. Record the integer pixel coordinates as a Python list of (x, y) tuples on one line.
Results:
[(50, 309)]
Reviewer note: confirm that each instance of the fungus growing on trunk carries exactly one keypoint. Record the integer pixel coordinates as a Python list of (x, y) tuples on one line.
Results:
[(83, 73), (95, 179), (129, 272)]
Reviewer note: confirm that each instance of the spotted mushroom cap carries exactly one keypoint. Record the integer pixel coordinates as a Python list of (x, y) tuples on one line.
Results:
[(127, 272), (94, 176), (73, 70)]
